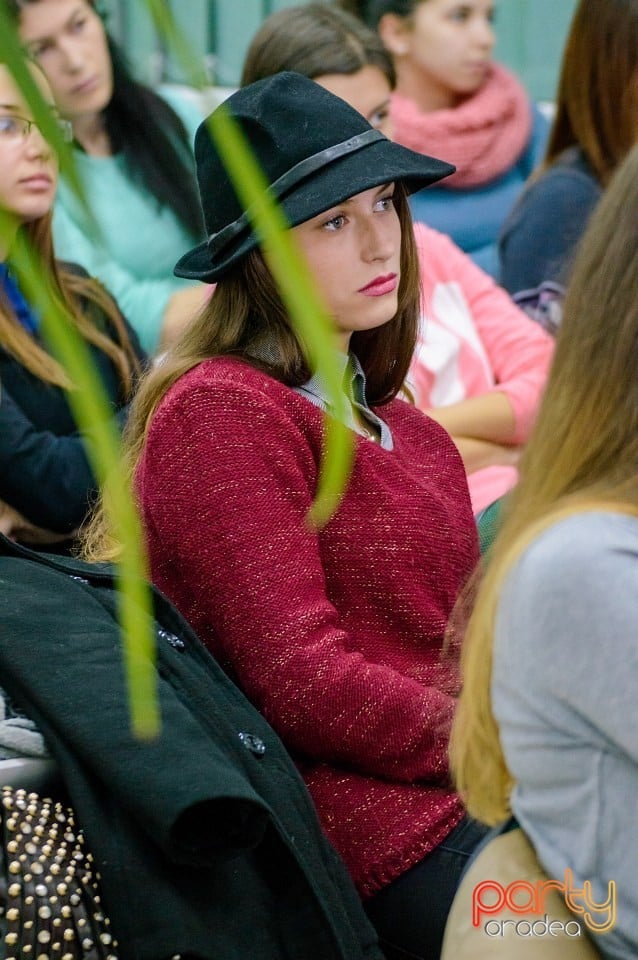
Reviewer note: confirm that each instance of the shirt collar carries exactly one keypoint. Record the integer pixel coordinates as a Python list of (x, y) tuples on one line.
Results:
[(354, 384)]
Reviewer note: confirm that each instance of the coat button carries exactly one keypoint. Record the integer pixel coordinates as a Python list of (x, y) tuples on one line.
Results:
[(176, 642), (255, 744)]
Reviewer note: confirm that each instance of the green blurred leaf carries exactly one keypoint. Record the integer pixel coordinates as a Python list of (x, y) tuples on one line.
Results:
[(94, 416), (89, 403), (92, 412)]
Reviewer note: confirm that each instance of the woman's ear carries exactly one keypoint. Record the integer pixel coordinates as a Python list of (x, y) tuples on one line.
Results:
[(395, 34)]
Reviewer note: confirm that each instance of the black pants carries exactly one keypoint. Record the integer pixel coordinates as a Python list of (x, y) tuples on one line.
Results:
[(410, 913)]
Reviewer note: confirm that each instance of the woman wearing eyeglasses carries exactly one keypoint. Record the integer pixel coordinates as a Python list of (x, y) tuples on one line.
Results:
[(46, 483), (133, 153)]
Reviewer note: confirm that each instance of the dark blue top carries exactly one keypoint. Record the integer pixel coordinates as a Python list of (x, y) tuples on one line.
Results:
[(44, 470), (23, 311), (540, 236)]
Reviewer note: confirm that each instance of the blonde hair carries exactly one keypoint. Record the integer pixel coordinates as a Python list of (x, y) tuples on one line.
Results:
[(76, 295), (583, 455)]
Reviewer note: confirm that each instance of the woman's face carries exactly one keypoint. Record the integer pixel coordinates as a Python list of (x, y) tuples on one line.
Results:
[(450, 42), (353, 251), (68, 40), (28, 165), (368, 91)]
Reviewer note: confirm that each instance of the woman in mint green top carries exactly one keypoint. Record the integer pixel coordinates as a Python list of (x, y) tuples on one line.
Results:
[(134, 157)]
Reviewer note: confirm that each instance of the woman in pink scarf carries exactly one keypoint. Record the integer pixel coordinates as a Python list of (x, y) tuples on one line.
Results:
[(454, 101)]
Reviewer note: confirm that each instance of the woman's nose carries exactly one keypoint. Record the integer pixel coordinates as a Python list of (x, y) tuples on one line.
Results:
[(379, 240), (72, 56), (36, 144), (484, 32)]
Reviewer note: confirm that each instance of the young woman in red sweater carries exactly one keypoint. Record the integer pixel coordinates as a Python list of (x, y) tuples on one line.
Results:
[(336, 633)]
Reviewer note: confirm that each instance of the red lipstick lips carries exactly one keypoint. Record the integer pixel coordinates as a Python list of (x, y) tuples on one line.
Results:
[(380, 286)]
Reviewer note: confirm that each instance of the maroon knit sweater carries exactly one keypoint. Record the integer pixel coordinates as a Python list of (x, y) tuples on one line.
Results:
[(334, 635)]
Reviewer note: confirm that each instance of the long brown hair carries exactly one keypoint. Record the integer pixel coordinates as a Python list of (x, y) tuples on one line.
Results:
[(597, 99), (75, 295), (583, 455), (246, 309), (314, 39)]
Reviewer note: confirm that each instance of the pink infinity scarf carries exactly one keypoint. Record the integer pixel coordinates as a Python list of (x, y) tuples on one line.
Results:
[(483, 136)]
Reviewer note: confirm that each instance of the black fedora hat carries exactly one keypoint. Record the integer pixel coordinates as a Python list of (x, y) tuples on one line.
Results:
[(315, 150)]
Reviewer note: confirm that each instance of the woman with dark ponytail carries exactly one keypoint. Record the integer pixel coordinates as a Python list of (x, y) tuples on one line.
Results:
[(135, 161)]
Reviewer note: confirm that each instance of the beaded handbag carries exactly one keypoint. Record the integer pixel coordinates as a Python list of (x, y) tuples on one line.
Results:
[(49, 889)]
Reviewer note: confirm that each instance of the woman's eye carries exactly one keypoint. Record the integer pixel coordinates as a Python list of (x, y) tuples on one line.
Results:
[(39, 50), (78, 25), (335, 223), (379, 117), (463, 13), (9, 126), (385, 203)]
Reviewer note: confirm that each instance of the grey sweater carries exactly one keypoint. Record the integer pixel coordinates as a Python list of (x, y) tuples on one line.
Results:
[(565, 695)]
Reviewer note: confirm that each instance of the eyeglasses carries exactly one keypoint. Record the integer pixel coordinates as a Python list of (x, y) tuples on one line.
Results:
[(14, 128)]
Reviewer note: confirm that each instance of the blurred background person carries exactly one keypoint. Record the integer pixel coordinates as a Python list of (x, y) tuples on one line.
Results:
[(454, 100), (46, 482), (545, 728), (595, 126), (134, 156)]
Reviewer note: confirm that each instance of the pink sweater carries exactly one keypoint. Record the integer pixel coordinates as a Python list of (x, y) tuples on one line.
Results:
[(473, 339), (334, 635)]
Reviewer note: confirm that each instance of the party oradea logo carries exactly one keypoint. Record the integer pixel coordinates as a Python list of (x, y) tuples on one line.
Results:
[(528, 901)]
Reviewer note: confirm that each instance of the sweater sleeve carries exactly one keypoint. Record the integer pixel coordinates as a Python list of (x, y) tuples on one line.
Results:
[(518, 350), (572, 601), (540, 235), (142, 302), (254, 569), (45, 477)]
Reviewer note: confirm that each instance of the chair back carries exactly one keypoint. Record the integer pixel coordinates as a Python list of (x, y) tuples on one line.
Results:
[(507, 859)]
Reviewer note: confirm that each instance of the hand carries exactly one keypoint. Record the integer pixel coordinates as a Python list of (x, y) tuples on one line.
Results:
[(16, 527), (180, 310)]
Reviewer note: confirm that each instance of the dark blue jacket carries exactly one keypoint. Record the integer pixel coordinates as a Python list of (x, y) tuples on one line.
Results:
[(44, 470), (540, 236)]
